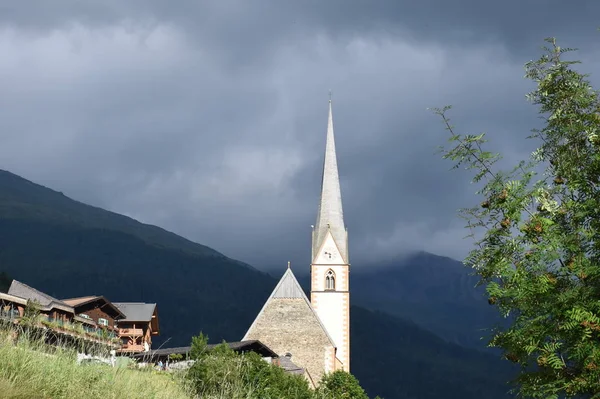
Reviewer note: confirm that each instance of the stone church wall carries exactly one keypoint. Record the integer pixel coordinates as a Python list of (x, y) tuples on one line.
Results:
[(289, 326)]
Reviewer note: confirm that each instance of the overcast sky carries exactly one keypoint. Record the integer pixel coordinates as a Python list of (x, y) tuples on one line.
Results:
[(208, 118)]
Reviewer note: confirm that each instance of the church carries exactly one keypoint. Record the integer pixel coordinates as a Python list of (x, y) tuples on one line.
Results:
[(314, 334)]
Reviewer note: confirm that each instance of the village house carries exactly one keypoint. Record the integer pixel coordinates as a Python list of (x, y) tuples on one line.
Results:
[(127, 327), (138, 326), (97, 312), (15, 302), (25, 305)]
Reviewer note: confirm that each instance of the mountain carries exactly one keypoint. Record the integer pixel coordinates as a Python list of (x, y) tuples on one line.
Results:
[(5, 281), (68, 249), (22, 199), (398, 359), (436, 292)]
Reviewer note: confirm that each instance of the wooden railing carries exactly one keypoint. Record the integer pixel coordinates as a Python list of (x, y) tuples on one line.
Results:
[(132, 348), (130, 332)]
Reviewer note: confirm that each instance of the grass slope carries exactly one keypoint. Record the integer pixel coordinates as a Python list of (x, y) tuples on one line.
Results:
[(31, 370)]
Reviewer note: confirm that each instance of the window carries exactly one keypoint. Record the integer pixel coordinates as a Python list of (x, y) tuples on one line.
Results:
[(84, 316), (330, 281), (102, 321)]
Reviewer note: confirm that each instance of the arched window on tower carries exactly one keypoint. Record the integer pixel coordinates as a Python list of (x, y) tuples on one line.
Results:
[(330, 281)]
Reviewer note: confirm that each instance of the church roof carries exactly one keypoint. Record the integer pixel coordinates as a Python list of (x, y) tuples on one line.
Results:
[(330, 214), (289, 288)]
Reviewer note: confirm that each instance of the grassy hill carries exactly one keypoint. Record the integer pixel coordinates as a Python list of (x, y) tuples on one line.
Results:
[(67, 249)]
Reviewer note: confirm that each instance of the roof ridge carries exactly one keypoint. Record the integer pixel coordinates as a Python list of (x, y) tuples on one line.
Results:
[(81, 297), (43, 294)]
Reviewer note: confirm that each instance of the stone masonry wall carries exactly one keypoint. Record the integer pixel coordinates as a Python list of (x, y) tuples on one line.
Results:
[(289, 325)]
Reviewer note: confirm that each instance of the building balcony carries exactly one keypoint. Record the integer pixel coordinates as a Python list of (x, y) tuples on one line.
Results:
[(131, 348), (130, 332), (80, 330)]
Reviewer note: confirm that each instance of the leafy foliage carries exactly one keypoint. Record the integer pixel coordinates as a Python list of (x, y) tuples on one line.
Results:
[(221, 371), (341, 385), (537, 234)]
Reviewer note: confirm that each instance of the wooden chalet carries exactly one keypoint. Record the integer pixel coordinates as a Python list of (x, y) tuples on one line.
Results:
[(138, 326), (20, 296), (26, 306), (97, 312), (127, 327)]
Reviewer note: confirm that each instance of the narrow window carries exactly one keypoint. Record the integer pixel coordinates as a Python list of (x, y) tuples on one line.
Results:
[(330, 281)]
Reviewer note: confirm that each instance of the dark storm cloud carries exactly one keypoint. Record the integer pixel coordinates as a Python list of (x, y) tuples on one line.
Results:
[(208, 118)]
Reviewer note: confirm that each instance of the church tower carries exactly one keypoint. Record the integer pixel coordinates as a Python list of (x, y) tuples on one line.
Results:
[(330, 267)]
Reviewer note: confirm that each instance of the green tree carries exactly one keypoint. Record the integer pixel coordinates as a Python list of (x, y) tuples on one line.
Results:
[(340, 385), (199, 346), (537, 234)]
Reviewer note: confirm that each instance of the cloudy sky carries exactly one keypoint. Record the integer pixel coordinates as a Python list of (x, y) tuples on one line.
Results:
[(208, 118)]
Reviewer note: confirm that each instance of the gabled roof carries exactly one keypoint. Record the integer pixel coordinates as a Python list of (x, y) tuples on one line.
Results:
[(289, 288), (84, 300), (136, 311), (330, 215), (22, 290)]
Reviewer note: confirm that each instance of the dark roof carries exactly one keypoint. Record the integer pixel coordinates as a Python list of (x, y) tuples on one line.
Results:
[(81, 301), (22, 290), (286, 363), (136, 311), (240, 346)]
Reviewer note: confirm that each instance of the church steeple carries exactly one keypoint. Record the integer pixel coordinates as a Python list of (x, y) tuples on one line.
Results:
[(330, 268), (330, 215)]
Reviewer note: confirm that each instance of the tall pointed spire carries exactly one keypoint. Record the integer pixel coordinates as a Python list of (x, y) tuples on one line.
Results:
[(330, 215)]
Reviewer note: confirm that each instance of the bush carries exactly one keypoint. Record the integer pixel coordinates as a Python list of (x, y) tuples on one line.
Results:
[(341, 385)]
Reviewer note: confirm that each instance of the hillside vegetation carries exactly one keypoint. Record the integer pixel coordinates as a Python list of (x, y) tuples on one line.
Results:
[(22, 199)]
